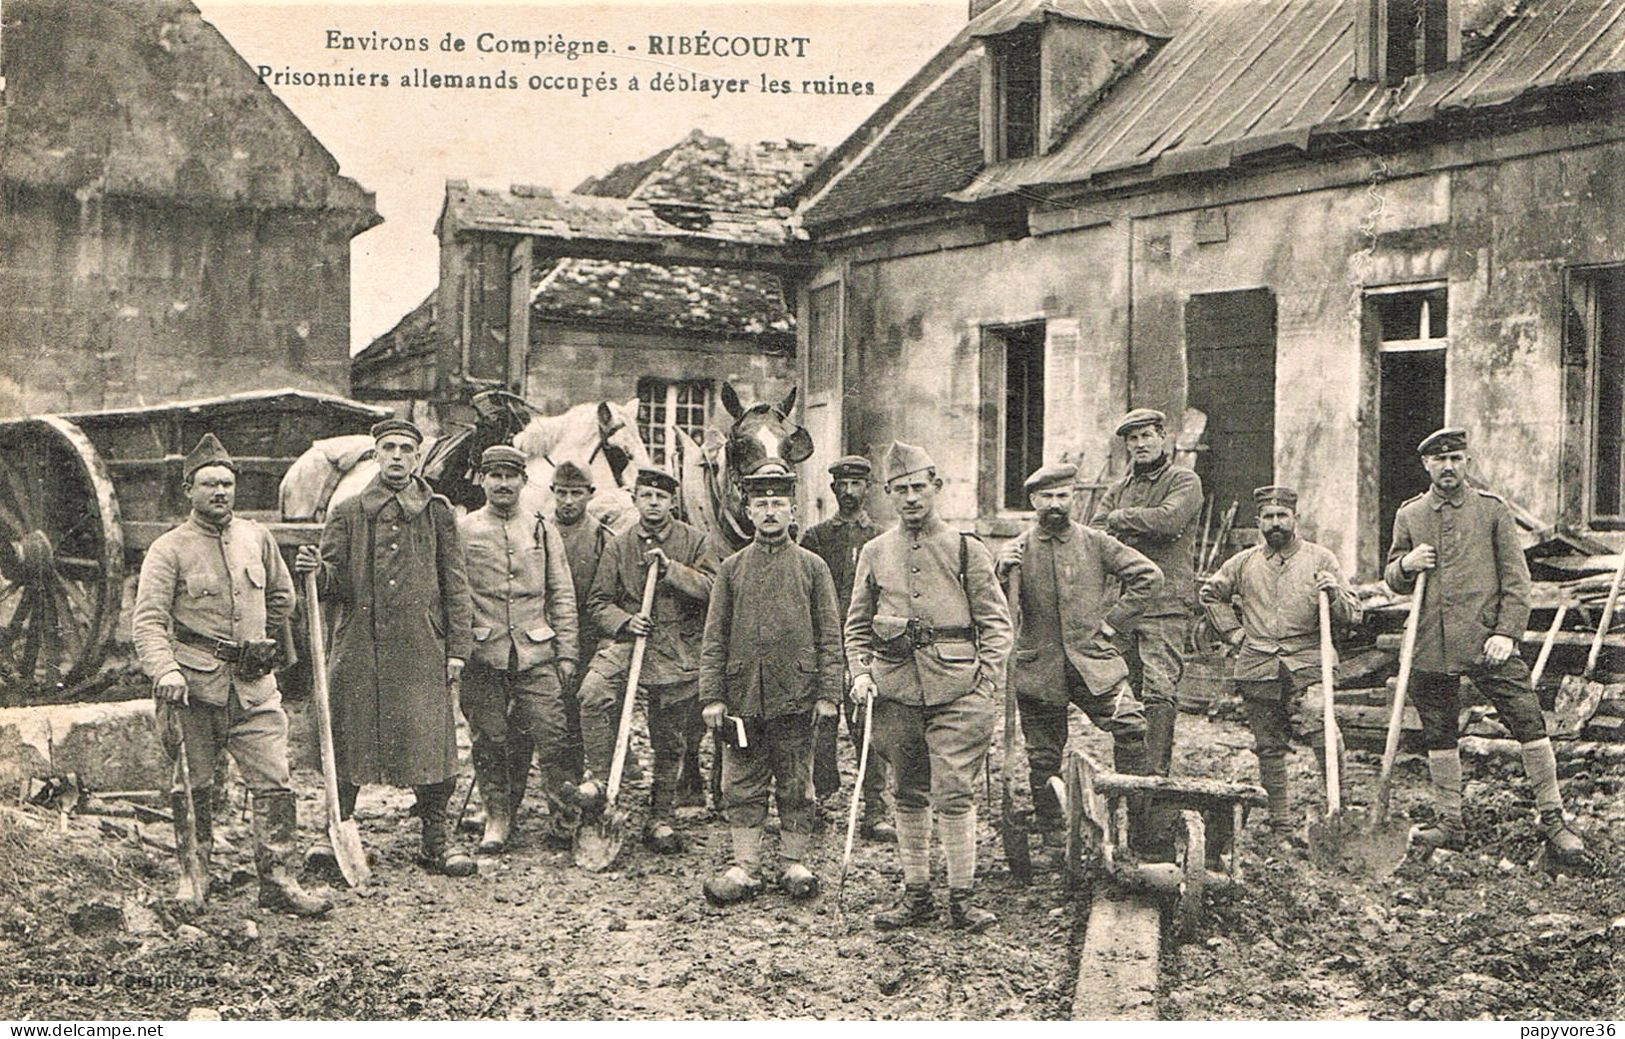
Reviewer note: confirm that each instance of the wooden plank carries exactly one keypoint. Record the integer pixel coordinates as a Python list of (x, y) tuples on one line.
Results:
[(1196, 791), (1119, 964)]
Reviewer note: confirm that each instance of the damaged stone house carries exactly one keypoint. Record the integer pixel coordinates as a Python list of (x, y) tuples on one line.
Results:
[(603, 327), (168, 229), (1330, 225)]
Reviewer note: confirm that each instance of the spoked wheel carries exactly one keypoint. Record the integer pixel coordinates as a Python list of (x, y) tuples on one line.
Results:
[(61, 558)]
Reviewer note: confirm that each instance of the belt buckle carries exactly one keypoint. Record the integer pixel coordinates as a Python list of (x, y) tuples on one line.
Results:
[(224, 646)]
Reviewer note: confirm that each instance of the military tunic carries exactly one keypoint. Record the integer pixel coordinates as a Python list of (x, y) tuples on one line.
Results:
[(231, 583), (837, 542), (1280, 606)]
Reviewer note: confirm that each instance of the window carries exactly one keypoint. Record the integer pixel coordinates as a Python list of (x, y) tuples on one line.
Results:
[(823, 339), (1015, 94), (1596, 343), (664, 406), (1412, 320), (1013, 427), (1409, 327), (1399, 38)]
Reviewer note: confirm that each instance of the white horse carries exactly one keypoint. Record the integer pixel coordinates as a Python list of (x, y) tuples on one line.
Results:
[(601, 438)]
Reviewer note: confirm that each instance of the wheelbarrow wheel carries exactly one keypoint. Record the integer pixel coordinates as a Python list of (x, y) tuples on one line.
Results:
[(1190, 855)]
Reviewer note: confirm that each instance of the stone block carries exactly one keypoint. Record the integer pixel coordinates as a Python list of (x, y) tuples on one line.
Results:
[(110, 746)]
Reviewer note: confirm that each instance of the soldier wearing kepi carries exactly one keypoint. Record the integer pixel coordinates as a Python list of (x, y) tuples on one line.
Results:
[(1277, 637), (391, 566), (1154, 509), (209, 592), (1064, 651), (927, 634), (1473, 614), (686, 567), (837, 542), (771, 658), (524, 645), (584, 539)]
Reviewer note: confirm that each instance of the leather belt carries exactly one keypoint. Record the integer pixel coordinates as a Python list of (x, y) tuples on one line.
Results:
[(228, 650)]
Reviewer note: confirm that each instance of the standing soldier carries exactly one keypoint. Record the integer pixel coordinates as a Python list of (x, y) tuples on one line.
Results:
[(210, 591), (1277, 637), (1064, 650), (771, 658), (391, 565), (584, 539), (687, 566), (1473, 614), (837, 542), (524, 644), (927, 633), (1154, 509)]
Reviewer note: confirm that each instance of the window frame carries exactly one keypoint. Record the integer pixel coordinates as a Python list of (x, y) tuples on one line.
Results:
[(1587, 355), (666, 399)]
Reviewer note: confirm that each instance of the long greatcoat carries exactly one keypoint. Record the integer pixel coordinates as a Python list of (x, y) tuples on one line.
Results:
[(392, 571)]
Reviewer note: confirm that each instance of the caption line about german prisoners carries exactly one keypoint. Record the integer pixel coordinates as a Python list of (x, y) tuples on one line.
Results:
[(699, 63)]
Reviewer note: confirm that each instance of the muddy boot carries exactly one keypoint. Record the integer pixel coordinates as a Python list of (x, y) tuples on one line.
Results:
[(203, 817), (520, 753), (662, 838), (1562, 843), (1155, 834), (275, 824), (964, 915), (916, 907), (433, 854), (874, 826), (1444, 771), (590, 798), (320, 858), (491, 776), (1445, 833), (740, 882), (795, 879), (1051, 854)]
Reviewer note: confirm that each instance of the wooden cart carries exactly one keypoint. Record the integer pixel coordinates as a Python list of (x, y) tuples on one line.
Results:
[(83, 494)]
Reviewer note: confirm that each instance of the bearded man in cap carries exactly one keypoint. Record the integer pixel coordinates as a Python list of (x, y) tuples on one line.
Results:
[(686, 564), (837, 541), (1064, 651), (1473, 615), (1277, 637), (210, 591), (391, 567), (927, 634), (584, 539), (1153, 509), (770, 661), (524, 645)]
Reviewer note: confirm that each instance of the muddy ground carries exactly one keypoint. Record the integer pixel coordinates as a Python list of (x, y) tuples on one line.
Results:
[(86, 930)]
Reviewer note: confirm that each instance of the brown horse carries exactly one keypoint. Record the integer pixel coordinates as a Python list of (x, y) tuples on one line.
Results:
[(711, 497)]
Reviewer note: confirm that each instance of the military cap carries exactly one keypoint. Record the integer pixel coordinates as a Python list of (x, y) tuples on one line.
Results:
[(209, 451), (903, 459), (1053, 475), (770, 479), (850, 467), (1141, 417), (649, 476), (1441, 440), (1275, 495), (568, 474), (499, 455), (396, 425)]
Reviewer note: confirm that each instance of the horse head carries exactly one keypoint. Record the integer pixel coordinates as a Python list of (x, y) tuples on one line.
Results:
[(763, 431)]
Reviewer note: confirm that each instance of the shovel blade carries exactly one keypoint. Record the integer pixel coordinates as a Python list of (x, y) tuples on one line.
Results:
[(1577, 701), (1327, 837), (598, 844), (1359, 844), (345, 837)]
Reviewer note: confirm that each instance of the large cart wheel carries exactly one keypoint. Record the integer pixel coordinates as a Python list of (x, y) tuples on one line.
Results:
[(61, 558)]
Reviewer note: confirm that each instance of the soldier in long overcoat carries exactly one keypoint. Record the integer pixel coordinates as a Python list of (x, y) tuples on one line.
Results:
[(390, 569)]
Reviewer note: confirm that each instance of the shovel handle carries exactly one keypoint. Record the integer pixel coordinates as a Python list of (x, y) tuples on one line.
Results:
[(1396, 714), (1328, 693), (633, 673), (1607, 617), (192, 858), (1546, 646), (322, 695), (857, 791), (1009, 687)]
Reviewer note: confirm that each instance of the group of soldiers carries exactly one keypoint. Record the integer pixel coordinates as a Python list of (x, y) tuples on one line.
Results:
[(534, 620)]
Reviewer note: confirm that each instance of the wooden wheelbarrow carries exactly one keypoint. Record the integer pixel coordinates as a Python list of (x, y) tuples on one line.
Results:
[(1099, 837)]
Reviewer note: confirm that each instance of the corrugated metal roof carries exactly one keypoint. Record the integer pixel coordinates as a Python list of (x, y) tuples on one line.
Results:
[(1252, 74)]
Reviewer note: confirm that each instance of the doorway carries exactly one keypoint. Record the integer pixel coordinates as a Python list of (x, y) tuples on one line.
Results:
[(1412, 367)]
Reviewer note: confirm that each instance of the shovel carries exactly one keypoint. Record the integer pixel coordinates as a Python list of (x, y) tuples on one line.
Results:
[(1380, 847), (1017, 850), (343, 834), (1579, 695), (598, 844), (1326, 834), (194, 885), (857, 792)]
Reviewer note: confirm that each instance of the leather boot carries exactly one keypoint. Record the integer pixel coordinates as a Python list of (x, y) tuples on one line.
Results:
[(964, 915), (1155, 842), (1444, 773), (203, 817), (491, 775), (796, 880), (433, 854), (740, 882), (1562, 842), (915, 907), (1447, 832), (874, 826), (275, 824)]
